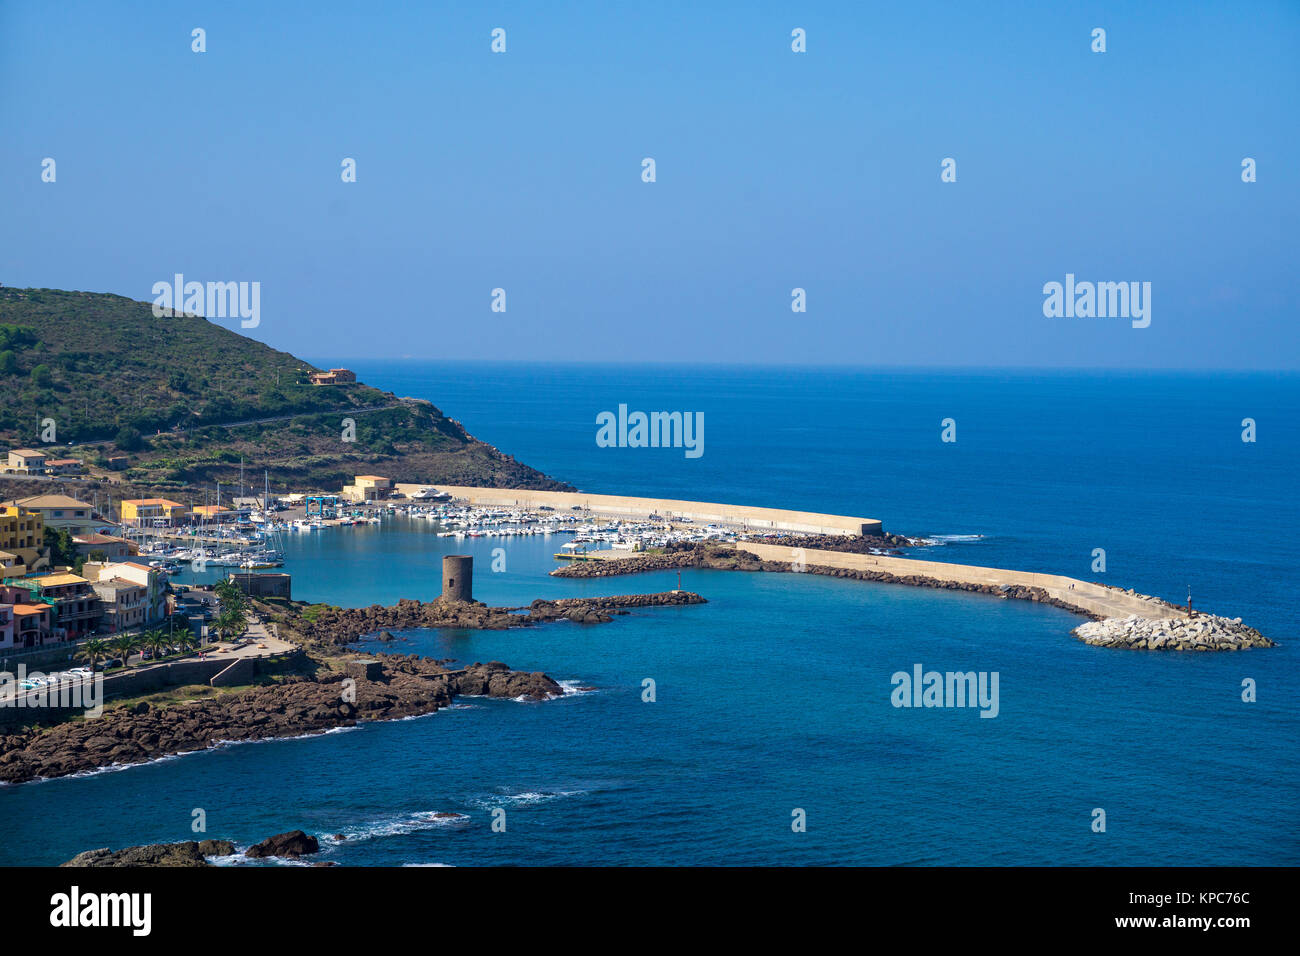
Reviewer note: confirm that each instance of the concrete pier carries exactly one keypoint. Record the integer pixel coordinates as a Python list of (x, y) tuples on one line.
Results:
[(621, 506)]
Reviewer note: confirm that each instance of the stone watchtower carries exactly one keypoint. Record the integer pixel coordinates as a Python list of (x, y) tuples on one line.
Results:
[(458, 577)]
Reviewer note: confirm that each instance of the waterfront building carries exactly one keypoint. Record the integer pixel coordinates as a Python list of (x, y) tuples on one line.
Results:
[(124, 603), (210, 512), (150, 579), (6, 626), (32, 626), (152, 512), (368, 488), (268, 584)]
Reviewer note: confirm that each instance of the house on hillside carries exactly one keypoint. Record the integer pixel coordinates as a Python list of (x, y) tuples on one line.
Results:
[(335, 376), (26, 461), (64, 466)]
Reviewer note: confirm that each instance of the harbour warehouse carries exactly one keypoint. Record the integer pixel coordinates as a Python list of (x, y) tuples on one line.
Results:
[(740, 516)]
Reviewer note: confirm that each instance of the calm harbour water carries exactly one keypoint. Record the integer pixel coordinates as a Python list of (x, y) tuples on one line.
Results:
[(776, 694)]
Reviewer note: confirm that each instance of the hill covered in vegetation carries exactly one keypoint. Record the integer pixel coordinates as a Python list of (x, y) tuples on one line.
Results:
[(186, 399)]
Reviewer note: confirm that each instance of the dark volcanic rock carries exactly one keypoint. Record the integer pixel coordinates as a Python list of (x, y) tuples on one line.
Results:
[(290, 845), (347, 625), (408, 686), (156, 854), (494, 679)]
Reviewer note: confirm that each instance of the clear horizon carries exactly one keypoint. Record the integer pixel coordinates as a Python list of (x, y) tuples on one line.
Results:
[(775, 171)]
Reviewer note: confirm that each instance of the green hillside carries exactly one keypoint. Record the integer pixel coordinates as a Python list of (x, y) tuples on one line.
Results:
[(168, 390)]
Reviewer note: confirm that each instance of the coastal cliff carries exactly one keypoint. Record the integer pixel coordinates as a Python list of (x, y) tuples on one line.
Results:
[(407, 686)]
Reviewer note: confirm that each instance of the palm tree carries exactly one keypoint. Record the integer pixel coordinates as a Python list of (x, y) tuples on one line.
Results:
[(230, 623), (125, 645), (93, 650), (155, 639), (186, 640), (228, 593)]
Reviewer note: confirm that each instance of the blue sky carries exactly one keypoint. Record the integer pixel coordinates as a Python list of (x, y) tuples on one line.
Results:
[(775, 170)]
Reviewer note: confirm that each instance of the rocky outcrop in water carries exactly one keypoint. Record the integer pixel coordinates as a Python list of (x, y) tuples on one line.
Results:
[(1202, 632), (190, 853), (298, 705), (289, 845), (334, 625)]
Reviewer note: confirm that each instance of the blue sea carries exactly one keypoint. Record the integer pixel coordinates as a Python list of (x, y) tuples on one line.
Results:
[(774, 697)]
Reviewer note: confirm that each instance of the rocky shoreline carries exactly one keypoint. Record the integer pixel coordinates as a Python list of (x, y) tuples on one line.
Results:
[(189, 853), (1202, 632), (298, 705), (288, 846), (340, 626)]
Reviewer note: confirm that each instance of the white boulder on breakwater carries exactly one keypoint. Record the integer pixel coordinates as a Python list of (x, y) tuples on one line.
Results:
[(1204, 632)]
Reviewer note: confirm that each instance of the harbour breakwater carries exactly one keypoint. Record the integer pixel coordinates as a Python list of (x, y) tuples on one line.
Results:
[(400, 686), (1201, 632), (1119, 618), (622, 506)]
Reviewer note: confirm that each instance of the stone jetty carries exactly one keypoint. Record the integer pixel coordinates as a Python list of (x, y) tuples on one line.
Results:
[(1200, 632)]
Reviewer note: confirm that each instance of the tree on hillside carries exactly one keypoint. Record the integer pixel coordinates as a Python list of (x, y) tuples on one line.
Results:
[(129, 439), (42, 377), (8, 362)]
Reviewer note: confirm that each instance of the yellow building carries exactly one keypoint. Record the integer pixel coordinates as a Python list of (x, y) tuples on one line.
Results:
[(22, 534), (60, 511), (367, 488), (149, 511)]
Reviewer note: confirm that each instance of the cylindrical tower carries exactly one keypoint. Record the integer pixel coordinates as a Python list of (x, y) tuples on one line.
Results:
[(458, 577)]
